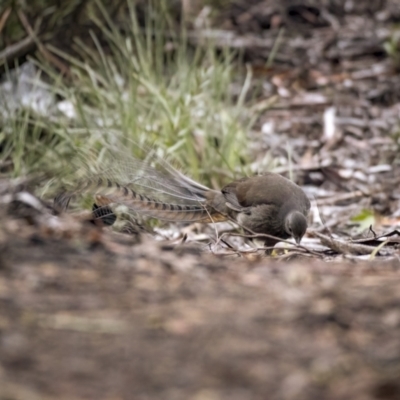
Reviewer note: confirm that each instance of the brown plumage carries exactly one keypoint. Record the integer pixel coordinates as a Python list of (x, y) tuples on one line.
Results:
[(266, 204)]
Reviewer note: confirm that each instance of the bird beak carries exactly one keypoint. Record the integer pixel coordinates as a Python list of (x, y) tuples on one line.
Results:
[(297, 239)]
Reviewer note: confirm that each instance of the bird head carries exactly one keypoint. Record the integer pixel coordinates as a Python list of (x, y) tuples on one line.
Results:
[(296, 225)]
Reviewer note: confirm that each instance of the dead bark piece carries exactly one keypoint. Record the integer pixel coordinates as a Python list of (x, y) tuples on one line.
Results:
[(343, 247)]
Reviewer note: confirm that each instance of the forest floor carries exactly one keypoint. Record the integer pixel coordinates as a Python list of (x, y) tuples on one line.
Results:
[(87, 313)]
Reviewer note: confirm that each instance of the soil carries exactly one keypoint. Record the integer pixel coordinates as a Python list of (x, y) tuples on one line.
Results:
[(91, 314)]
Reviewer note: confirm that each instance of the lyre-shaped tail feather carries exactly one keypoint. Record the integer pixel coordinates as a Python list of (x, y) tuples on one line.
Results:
[(142, 203), (152, 187), (120, 194)]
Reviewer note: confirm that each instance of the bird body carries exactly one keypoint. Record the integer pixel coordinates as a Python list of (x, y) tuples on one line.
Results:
[(267, 204)]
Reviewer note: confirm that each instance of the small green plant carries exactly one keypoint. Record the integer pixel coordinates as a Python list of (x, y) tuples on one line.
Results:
[(392, 47), (363, 220)]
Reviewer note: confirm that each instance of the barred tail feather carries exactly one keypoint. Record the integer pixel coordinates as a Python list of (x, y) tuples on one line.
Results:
[(152, 187), (141, 203)]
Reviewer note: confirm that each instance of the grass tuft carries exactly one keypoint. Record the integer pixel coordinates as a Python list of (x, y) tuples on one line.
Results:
[(142, 84)]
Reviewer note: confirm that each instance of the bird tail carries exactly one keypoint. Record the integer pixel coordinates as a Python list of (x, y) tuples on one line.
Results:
[(152, 187)]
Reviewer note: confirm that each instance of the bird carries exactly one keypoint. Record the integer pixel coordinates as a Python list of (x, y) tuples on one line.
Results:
[(267, 204)]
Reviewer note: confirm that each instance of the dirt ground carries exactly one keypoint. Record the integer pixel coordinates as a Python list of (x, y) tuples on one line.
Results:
[(86, 313), (94, 315)]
